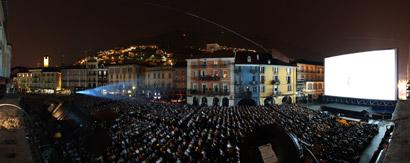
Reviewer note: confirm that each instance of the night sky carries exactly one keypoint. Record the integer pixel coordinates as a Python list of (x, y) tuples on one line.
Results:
[(311, 29)]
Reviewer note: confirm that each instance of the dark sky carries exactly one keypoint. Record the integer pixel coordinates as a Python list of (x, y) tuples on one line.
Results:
[(310, 29)]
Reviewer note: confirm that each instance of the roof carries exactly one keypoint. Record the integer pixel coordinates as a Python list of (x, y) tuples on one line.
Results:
[(180, 64), (303, 61), (123, 64), (215, 54), (50, 69), (73, 67), (257, 58)]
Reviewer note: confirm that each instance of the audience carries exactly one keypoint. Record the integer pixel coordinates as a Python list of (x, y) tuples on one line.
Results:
[(164, 132)]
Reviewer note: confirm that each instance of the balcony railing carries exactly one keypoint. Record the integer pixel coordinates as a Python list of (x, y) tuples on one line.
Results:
[(275, 82), (209, 78), (208, 92)]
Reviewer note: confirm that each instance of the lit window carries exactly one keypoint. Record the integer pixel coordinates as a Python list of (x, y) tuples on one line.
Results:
[(249, 59), (225, 74)]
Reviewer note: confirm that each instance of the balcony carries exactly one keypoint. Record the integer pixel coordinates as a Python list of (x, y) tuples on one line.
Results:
[(209, 78), (208, 92), (275, 82)]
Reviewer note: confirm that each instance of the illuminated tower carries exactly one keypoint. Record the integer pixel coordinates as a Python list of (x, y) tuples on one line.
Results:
[(46, 61)]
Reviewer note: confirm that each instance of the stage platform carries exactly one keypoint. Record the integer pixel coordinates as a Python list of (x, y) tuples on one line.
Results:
[(356, 111)]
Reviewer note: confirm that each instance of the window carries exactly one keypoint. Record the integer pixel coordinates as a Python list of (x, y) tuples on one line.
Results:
[(275, 70), (289, 88), (262, 70), (249, 59), (262, 79), (203, 73), (204, 88), (225, 74), (194, 86), (216, 88), (310, 86), (276, 78), (263, 89), (288, 70), (225, 87), (216, 73), (194, 73), (288, 80)]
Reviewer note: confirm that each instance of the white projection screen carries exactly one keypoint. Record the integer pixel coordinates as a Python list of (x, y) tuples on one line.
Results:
[(363, 75)]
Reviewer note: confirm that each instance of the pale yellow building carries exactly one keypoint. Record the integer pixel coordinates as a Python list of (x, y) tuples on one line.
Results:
[(278, 84)]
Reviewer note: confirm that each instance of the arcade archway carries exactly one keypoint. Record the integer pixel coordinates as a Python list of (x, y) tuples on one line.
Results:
[(215, 101), (225, 102)]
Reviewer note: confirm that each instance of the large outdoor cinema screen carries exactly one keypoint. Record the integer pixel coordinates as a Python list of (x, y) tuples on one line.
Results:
[(363, 75)]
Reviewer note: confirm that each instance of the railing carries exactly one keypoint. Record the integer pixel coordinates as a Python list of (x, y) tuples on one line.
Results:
[(209, 78), (208, 92), (211, 65), (275, 82)]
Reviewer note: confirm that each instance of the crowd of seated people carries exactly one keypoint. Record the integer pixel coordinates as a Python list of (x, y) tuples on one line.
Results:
[(180, 133), (163, 132), (329, 139)]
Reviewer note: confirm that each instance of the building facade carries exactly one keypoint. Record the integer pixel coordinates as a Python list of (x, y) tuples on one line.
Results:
[(158, 81), (5, 50), (39, 80), (125, 78), (23, 80), (263, 80), (210, 79), (96, 73), (74, 78), (278, 84), (178, 91), (310, 79)]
